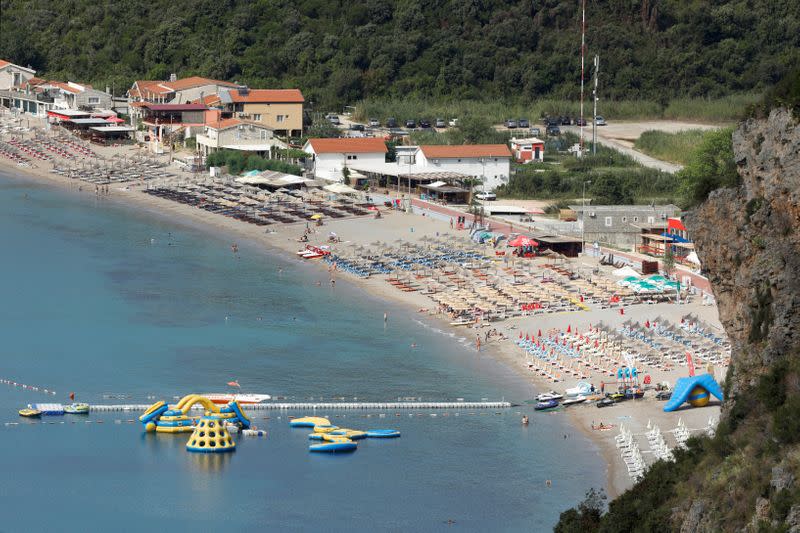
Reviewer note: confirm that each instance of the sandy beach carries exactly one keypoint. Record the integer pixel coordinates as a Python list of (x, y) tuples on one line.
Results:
[(394, 225)]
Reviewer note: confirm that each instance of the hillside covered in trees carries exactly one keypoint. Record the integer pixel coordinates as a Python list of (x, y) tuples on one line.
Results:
[(339, 51)]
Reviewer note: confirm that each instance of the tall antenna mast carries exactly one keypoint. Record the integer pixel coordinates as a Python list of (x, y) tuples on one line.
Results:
[(583, 53)]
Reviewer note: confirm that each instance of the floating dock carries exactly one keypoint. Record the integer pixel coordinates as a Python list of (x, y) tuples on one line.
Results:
[(384, 406)]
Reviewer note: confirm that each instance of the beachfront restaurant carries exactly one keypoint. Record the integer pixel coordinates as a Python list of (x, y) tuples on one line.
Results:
[(653, 244), (110, 132), (566, 246), (439, 191)]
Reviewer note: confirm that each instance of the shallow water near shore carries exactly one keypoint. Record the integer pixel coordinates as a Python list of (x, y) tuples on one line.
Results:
[(106, 301)]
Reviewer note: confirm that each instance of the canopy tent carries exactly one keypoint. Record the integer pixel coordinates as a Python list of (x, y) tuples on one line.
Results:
[(340, 188), (521, 241), (625, 272)]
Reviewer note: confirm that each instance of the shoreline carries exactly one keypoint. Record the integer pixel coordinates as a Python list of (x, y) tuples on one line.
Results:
[(284, 241)]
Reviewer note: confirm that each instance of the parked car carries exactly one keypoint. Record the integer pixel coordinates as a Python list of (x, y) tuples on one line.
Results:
[(566, 121), (374, 123), (664, 395), (391, 122), (357, 127), (425, 124), (410, 124), (600, 121), (523, 123), (511, 123), (440, 123), (535, 132), (453, 122), (488, 196), (334, 119), (605, 402), (580, 121), (553, 130)]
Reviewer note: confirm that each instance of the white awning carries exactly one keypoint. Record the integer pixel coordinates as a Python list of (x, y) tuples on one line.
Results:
[(340, 188)]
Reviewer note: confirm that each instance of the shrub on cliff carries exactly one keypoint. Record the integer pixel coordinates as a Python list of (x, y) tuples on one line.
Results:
[(711, 166)]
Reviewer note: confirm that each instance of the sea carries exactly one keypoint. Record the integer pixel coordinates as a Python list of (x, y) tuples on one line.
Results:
[(120, 305)]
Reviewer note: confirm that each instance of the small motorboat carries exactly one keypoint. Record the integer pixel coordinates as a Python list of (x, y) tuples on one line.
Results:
[(546, 406), (572, 401), (77, 409), (224, 398), (30, 413), (547, 396)]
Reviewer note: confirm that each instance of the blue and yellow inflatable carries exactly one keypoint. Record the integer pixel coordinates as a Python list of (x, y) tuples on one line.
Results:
[(697, 390), (160, 418)]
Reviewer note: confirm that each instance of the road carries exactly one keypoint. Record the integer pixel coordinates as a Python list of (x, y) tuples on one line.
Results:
[(621, 136)]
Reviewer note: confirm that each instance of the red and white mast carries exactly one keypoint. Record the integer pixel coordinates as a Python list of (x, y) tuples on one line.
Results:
[(583, 53)]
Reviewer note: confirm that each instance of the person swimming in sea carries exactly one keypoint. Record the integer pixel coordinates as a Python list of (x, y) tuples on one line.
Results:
[(525, 420)]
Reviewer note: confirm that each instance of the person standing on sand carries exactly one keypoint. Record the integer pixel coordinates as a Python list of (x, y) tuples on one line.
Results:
[(451, 222), (478, 342)]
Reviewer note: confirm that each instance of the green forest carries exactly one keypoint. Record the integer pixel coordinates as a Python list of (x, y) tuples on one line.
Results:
[(341, 52)]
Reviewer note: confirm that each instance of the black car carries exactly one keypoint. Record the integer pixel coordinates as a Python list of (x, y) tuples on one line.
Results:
[(664, 395), (553, 130), (580, 121), (391, 122), (566, 121), (357, 127), (523, 123), (425, 124), (411, 124)]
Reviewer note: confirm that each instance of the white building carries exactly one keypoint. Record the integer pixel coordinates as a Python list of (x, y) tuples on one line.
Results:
[(236, 134), (489, 162), (12, 75), (331, 156)]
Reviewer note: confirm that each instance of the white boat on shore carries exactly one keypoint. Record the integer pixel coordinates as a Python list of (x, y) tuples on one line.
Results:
[(225, 398), (572, 401), (547, 396)]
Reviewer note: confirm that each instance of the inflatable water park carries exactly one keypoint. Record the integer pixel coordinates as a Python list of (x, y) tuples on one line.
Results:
[(333, 439), (210, 433)]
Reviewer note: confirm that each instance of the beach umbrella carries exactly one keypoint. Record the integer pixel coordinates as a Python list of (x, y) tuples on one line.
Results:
[(569, 329), (540, 333), (316, 216)]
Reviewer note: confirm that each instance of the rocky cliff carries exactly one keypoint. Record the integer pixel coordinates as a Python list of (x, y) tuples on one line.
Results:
[(748, 240)]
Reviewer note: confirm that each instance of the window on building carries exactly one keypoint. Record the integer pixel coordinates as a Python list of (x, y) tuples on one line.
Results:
[(281, 118), (624, 219), (94, 100), (651, 220), (351, 157), (636, 219), (608, 222), (257, 117)]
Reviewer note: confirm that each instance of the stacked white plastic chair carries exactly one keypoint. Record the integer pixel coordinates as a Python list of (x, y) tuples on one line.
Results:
[(681, 433), (658, 444), (630, 453)]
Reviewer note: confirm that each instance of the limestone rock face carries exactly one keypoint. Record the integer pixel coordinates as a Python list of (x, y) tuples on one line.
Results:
[(748, 240)]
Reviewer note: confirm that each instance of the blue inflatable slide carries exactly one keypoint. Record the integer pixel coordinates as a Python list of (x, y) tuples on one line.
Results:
[(685, 386)]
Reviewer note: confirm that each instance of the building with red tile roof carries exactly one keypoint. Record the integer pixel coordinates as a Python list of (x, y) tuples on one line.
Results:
[(331, 156)]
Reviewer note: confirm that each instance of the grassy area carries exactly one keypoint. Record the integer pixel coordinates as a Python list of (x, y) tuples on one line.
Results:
[(496, 111), (610, 177), (673, 147), (723, 109)]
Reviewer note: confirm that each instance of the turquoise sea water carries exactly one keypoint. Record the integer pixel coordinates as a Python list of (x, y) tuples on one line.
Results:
[(99, 299)]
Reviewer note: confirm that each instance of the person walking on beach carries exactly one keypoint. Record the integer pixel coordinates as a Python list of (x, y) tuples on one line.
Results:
[(478, 342), (451, 222)]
